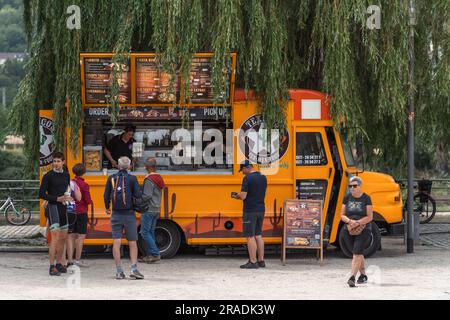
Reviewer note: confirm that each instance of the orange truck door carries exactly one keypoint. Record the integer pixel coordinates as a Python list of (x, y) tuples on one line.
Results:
[(314, 169)]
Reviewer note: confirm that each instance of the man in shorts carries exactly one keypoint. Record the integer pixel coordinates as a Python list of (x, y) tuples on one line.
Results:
[(53, 187), (120, 190), (253, 192)]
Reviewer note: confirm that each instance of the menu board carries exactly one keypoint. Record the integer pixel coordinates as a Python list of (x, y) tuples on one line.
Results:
[(98, 81), (143, 82), (311, 189), (302, 227), (200, 82), (153, 85)]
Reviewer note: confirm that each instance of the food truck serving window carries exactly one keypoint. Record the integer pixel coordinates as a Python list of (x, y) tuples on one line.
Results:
[(310, 150), (196, 147)]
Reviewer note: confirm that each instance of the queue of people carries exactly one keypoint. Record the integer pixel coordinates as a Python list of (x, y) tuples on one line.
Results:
[(66, 204), (64, 198)]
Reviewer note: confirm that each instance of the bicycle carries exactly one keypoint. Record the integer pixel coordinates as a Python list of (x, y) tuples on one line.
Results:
[(14, 216), (424, 203)]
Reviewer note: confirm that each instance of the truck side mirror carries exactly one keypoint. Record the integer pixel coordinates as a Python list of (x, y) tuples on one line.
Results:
[(359, 146)]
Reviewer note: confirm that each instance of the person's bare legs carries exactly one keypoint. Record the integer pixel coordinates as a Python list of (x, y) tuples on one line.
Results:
[(116, 251), (133, 252), (61, 248), (252, 247), (260, 247), (356, 264), (79, 246), (71, 246), (362, 268), (52, 251)]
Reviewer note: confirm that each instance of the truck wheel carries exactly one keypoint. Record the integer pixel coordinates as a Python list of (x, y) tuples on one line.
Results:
[(372, 246), (168, 239)]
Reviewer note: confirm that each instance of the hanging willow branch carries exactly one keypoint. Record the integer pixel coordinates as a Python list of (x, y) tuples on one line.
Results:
[(315, 44)]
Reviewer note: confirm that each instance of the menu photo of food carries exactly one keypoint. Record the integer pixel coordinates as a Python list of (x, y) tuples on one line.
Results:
[(93, 158), (303, 227)]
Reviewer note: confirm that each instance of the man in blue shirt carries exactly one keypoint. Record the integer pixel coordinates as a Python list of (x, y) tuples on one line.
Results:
[(119, 191), (253, 192)]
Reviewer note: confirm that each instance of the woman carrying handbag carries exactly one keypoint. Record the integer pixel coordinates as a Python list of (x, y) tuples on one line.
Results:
[(357, 214)]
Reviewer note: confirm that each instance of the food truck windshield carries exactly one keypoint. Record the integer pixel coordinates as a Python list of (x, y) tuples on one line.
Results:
[(198, 145)]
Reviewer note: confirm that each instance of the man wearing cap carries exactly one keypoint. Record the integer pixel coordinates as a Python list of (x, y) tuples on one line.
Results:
[(253, 192)]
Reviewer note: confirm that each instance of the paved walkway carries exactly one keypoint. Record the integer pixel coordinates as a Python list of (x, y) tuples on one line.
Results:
[(433, 234), (436, 235), (19, 232), (393, 274)]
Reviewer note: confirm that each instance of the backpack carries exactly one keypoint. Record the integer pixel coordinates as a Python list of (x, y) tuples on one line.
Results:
[(121, 193)]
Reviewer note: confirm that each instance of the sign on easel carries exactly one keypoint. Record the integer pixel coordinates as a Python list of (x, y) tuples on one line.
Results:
[(303, 226)]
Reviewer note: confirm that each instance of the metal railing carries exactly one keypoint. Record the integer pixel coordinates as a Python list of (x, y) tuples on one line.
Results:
[(26, 192), (23, 192), (440, 191)]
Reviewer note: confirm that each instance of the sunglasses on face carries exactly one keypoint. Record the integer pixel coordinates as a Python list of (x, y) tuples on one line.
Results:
[(353, 186)]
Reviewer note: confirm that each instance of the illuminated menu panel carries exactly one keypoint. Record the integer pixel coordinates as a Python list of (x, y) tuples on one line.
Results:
[(154, 86), (98, 80), (142, 81), (200, 78)]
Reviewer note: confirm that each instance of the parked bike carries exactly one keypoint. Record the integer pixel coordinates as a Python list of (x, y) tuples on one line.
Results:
[(12, 215), (424, 203)]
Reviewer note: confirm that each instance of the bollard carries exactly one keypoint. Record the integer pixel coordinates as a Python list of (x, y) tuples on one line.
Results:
[(417, 228)]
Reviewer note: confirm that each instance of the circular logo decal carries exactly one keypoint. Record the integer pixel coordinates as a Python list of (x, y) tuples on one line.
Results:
[(47, 145), (254, 141)]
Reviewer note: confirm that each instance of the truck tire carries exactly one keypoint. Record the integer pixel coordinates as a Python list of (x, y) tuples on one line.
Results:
[(373, 246), (168, 239)]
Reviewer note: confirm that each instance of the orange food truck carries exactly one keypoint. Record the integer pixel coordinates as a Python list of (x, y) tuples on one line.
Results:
[(311, 160)]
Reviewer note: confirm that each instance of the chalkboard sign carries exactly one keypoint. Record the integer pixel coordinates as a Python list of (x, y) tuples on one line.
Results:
[(98, 81), (142, 81), (200, 82), (311, 189), (153, 85), (302, 226)]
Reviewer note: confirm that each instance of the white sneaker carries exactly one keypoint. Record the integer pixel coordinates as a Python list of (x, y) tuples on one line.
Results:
[(81, 264)]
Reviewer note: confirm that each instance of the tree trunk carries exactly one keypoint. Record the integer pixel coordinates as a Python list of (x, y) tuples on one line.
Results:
[(441, 157)]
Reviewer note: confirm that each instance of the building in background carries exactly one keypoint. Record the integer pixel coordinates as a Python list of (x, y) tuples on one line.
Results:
[(5, 56), (13, 144)]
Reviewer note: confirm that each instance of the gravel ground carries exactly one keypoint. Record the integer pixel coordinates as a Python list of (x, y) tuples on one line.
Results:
[(393, 274)]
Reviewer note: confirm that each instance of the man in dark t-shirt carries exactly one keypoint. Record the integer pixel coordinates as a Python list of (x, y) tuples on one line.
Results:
[(53, 190), (120, 146), (253, 192)]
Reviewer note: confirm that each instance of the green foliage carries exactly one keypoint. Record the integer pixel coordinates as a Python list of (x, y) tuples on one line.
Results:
[(11, 73), (3, 124), (12, 165), (12, 37), (315, 44)]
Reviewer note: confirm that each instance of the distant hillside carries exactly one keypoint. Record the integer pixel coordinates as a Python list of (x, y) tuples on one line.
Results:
[(12, 35)]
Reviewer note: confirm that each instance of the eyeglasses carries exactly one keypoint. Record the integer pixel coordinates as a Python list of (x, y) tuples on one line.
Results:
[(353, 186)]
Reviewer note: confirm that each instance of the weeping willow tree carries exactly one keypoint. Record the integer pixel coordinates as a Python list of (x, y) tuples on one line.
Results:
[(316, 44)]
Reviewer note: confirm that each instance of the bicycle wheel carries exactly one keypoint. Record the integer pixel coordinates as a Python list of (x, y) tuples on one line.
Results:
[(426, 206), (16, 217)]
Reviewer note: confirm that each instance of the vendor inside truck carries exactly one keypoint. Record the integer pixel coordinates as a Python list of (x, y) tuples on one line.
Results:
[(120, 146)]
